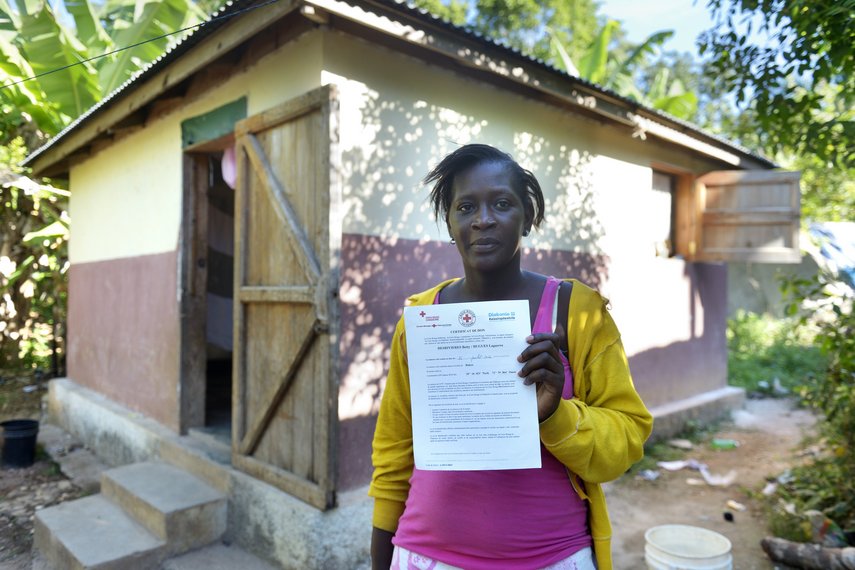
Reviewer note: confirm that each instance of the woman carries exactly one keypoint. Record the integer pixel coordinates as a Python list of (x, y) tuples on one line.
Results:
[(592, 422)]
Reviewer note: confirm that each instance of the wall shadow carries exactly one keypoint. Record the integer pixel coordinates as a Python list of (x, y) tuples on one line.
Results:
[(690, 367)]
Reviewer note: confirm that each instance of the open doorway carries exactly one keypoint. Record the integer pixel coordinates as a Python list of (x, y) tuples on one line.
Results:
[(207, 291), (219, 296)]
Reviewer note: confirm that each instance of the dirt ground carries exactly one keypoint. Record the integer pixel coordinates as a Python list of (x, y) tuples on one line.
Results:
[(770, 433), (24, 491)]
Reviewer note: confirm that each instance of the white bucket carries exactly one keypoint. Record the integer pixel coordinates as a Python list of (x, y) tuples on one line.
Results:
[(683, 547)]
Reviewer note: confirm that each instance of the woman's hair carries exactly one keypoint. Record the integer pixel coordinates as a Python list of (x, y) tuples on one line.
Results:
[(442, 176)]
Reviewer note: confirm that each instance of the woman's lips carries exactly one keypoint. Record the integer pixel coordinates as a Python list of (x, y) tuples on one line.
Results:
[(484, 244)]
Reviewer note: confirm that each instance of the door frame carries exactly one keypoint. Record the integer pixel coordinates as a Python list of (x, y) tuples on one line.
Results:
[(201, 136)]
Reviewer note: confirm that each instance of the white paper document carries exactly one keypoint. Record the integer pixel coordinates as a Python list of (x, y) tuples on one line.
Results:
[(470, 408)]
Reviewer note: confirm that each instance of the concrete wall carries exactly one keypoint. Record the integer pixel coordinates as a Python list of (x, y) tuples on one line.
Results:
[(399, 117), (755, 287)]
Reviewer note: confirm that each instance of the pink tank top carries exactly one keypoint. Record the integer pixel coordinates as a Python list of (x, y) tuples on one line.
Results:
[(511, 519)]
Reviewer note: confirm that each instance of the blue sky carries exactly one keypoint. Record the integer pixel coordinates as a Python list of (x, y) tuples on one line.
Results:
[(642, 18)]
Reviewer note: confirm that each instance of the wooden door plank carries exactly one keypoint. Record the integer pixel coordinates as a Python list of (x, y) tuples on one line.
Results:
[(288, 111), (250, 442), (328, 397), (751, 177), (748, 216), (752, 255), (293, 294), (302, 247), (239, 328), (296, 486)]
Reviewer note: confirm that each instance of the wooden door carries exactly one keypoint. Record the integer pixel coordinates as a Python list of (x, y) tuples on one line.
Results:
[(747, 215), (286, 317)]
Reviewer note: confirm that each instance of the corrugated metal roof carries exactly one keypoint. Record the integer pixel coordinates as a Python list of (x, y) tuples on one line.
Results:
[(234, 8), (686, 125)]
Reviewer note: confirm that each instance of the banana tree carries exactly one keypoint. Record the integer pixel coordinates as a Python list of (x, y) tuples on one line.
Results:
[(599, 64), (33, 263), (67, 60), (55, 63)]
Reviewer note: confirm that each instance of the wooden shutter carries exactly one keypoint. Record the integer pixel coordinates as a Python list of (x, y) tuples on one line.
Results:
[(286, 317), (746, 215)]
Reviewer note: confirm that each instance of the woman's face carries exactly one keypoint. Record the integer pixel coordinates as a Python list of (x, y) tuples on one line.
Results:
[(486, 217)]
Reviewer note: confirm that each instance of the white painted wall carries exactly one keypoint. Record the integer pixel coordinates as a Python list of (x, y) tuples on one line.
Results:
[(400, 116)]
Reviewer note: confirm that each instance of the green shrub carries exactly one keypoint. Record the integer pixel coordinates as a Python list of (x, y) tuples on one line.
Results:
[(33, 264), (824, 306), (762, 348)]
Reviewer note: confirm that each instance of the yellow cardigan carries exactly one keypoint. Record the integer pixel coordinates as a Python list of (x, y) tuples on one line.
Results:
[(597, 435)]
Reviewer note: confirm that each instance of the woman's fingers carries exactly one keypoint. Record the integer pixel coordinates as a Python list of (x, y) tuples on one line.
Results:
[(542, 363), (538, 343), (541, 351), (542, 367)]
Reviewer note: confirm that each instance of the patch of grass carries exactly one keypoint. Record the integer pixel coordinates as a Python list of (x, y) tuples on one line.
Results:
[(826, 485), (655, 452), (762, 349), (51, 469), (786, 525), (660, 450)]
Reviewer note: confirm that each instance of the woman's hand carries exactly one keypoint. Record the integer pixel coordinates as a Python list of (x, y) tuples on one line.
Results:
[(542, 366), (382, 549)]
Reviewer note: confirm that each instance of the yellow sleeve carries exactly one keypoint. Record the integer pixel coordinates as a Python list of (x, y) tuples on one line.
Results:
[(601, 432), (392, 453)]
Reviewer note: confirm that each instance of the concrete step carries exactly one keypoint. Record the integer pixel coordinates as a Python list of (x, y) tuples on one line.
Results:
[(175, 506), (94, 534), (217, 557), (75, 461), (212, 443)]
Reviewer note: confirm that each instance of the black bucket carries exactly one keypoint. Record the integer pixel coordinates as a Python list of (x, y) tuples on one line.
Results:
[(19, 442)]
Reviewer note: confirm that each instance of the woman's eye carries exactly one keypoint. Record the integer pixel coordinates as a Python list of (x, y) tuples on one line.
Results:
[(503, 204), (464, 208)]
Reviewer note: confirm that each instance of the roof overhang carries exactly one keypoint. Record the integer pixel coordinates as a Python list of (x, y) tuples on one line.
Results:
[(220, 48)]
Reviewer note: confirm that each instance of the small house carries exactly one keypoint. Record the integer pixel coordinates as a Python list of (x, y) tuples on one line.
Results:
[(248, 219)]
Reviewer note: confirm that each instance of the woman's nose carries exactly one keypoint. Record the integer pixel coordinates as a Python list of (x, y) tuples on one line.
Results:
[(484, 218)]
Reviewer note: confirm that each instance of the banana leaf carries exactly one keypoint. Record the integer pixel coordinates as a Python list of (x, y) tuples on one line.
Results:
[(647, 47), (25, 96), (57, 229), (563, 56), (151, 19), (592, 66), (90, 31), (8, 18), (682, 106), (50, 47)]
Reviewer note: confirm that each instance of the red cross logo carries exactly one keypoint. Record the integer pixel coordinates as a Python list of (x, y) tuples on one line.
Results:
[(466, 317)]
